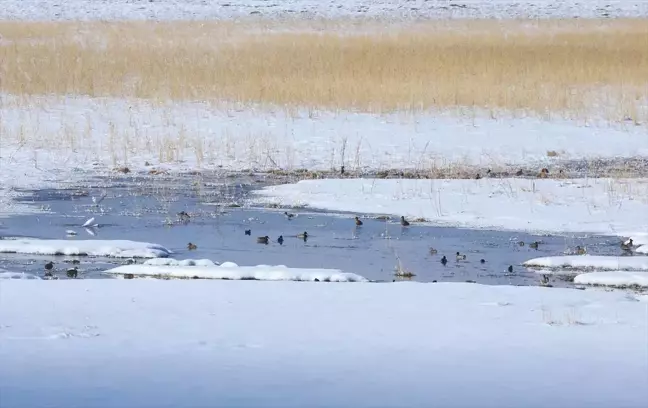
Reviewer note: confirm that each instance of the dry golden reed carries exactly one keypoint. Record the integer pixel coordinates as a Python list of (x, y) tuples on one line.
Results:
[(566, 66)]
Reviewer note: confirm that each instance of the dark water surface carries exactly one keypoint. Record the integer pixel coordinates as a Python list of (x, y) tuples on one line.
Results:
[(146, 212)]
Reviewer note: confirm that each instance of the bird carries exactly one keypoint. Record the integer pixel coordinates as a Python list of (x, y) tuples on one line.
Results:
[(510, 268), (580, 250), (289, 216), (482, 261), (248, 232), (184, 216), (627, 246), (72, 272), (545, 280), (303, 236), (433, 251), (534, 245), (357, 221), (280, 240), (519, 173), (90, 223), (461, 257), (404, 222), (478, 176), (49, 266), (191, 246), (263, 240), (342, 170), (444, 260), (521, 243)]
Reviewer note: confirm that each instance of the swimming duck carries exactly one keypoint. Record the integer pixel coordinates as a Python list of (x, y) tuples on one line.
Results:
[(444, 260), (580, 250), (521, 243), (49, 266), (404, 222), (248, 232), (191, 246), (482, 261), (263, 240), (461, 257), (72, 272), (280, 240), (534, 245), (303, 236), (510, 269), (627, 246), (183, 216), (289, 216), (357, 221), (519, 173), (433, 251)]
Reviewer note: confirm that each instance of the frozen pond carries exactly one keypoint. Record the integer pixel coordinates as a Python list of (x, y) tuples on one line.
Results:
[(145, 211)]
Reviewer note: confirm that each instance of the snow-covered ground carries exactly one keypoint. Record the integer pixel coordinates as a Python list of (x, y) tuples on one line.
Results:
[(603, 206), (613, 278), (110, 248), (392, 9), (5, 274), (49, 140), (611, 263), (137, 343), (231, 271)]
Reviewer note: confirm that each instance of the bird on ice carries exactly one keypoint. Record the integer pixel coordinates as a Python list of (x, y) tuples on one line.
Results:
[(90, 223)]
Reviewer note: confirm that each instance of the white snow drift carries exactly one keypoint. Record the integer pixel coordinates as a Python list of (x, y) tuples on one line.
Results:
[(231, 271), (637, 263), (613, 278), (603, 206), (144, 343), (109, 248), (5, 274)]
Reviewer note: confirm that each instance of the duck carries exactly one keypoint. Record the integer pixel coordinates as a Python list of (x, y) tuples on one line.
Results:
[(263, 240), (521, 243), (461, 257), (580, 250), (404, 222), (183, 216), (289, 216), (627, 246), (49, 266), (357, 221), (482, 261), (534, 245), (191, 246), (510, 269), (545, 280), (519, 173), (444, 260), (72, 272), (248, 232), (433, 251), (303, 236), (280, 240)]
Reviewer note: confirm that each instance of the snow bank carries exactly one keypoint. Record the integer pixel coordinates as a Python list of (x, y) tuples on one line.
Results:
[(287, 344), (5, 274), (183, 262), (110, 248), (613, 278), (601, 206), (234, 272), (398, 10), (643, 249), (639, 263)]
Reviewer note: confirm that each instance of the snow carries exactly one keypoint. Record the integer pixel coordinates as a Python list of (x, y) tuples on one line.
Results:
[(5, 274), (183, 262), (232, 271), (400, 10), (637, 263), (109, 248), (72, 138), (601, 206), (145, 343), (643, 249), (613, 278)]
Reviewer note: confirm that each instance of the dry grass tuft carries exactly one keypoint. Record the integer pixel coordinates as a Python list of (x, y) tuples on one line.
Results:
[(545, 67)]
